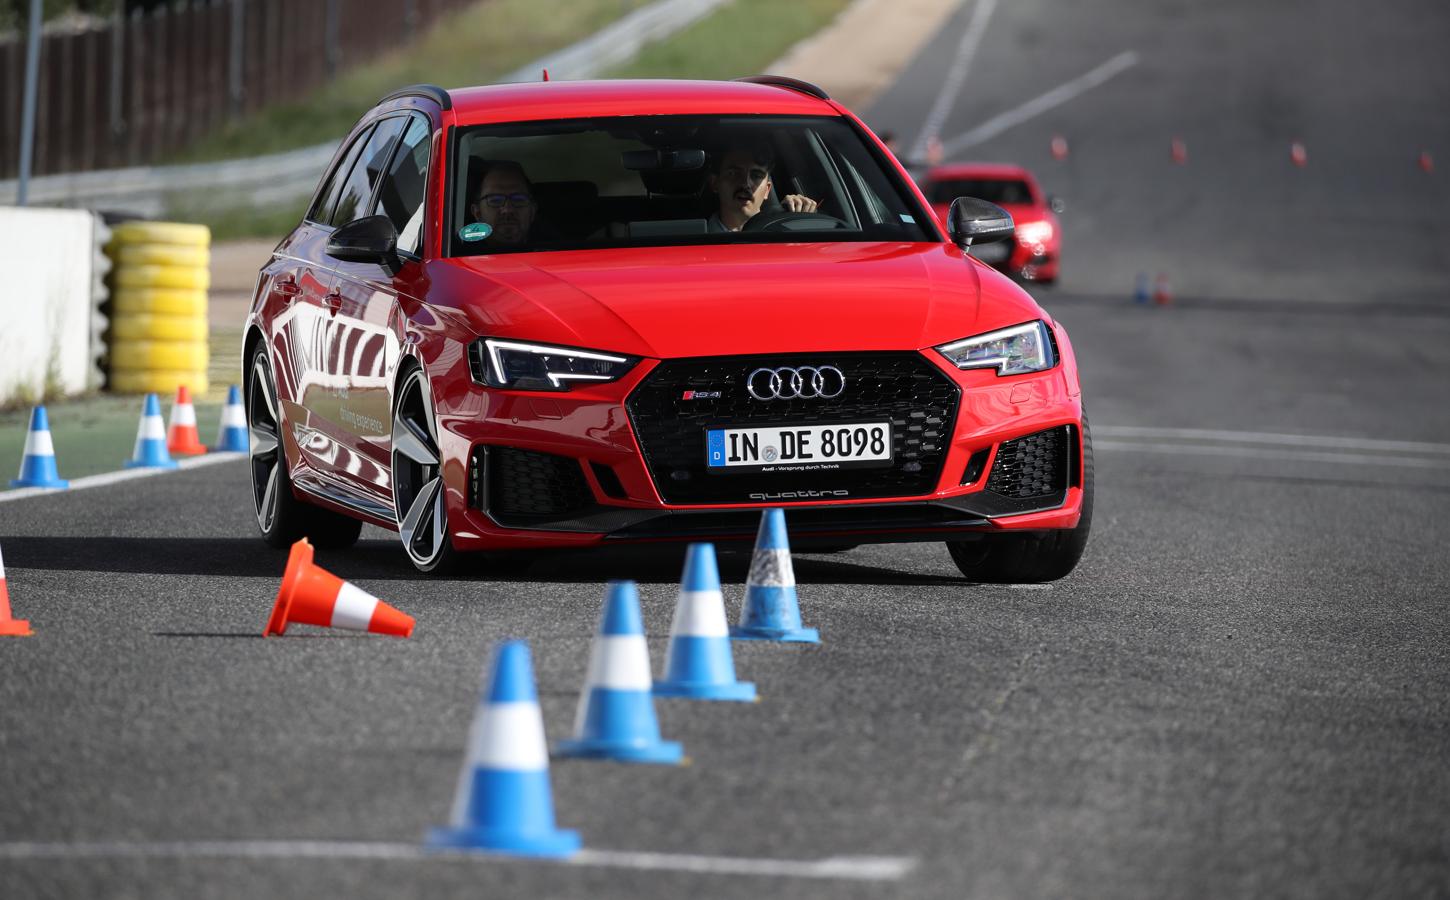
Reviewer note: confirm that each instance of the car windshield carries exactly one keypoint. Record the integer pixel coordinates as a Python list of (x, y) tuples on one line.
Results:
[(1000, 191), (672, 180)]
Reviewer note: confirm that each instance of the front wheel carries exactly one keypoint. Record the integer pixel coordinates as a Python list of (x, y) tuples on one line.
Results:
[(418, 490), (281, 517), (1026, 558)]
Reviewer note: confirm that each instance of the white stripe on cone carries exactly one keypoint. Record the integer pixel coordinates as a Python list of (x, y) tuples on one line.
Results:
[(509, 736), (2, 567), (151, 429), (771, 568), (353, 608), (38, 443), (620, 662), (699, 614), (183, 414), (233, 416)]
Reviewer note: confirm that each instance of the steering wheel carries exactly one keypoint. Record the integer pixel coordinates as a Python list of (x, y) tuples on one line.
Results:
[(785, 220)]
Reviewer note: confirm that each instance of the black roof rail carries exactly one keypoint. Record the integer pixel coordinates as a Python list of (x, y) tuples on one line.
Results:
[(793, 84), (427, 91)]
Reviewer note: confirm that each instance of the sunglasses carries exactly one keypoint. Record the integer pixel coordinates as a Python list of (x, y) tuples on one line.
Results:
[(499, 201)]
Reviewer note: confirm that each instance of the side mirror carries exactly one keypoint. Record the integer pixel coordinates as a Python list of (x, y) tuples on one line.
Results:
[(972, 221), (1055, 203), (372, 239)]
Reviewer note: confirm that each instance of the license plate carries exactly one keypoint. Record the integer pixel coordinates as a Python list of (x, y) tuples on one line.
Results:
[(799, 448), (995, 252)]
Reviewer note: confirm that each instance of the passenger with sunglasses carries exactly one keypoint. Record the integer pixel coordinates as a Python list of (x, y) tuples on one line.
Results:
[(505, 201)]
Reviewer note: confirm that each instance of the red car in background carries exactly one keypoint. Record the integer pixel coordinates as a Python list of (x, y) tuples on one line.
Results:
[(1033, 253)]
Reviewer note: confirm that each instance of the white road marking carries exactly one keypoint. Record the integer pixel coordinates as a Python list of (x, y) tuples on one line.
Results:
[(1261, 437), (956, 77), (105, 478), (1041, 104), (851, 868), (1408, 462)]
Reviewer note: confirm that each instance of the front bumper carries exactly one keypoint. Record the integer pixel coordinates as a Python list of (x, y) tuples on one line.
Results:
[(528, 470)]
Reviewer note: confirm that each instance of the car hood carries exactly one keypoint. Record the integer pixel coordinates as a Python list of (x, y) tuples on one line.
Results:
[(724, 300)]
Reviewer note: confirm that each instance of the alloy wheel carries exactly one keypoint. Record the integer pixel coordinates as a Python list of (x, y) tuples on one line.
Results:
[(265, 452), (418, 494)]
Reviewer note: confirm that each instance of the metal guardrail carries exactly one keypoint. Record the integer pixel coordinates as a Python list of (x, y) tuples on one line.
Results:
[(282, 177)]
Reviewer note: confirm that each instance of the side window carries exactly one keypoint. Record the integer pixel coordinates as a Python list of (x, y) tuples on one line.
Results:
[(401, 196), (352, 201), (327, 197)]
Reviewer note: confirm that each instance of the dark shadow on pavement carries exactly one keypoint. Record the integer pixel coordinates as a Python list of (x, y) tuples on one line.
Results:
[(381, 560)]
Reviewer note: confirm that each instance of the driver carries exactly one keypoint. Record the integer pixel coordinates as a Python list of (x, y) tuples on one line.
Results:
[(505, 201), (741, 181)]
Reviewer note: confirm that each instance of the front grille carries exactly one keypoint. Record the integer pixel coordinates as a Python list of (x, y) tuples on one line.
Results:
[(918, 399), (1033, 466), (526, 485)]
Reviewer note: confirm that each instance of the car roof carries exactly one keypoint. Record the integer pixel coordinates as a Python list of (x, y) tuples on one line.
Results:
[(978, 170), (538, 100)]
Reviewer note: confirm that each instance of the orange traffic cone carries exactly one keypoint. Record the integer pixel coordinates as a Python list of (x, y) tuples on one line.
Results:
[(9, 627), (1059, 147), (1162, 293), (181, 437), (1298, 154), (313, 596)]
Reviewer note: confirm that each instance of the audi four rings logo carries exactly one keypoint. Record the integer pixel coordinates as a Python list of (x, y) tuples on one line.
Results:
[(803, 383)]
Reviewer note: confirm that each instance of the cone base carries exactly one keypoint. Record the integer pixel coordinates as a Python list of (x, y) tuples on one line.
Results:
[(55, 484), (780, 635), (15, 628), (188, 450), (297, 559), (742, 691), (548, 843), (231, 447), (145, 464), (662, 752)]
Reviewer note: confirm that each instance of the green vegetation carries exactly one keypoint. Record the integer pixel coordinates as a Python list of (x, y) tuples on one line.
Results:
[(741, 38), (473, 46)]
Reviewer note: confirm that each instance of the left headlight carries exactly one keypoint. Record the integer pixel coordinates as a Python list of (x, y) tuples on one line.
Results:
[(1011, 351), (540, 367)]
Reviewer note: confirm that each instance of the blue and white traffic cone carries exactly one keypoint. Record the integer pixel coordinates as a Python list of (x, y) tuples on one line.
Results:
[(1140, 289), (771, 611), (616, 718), (37, 466), (150, 452), (698, 663), (504, 802), (231, 437)]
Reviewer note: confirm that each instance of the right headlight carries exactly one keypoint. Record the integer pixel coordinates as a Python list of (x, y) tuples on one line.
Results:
[(524, 366), (1011, 351)]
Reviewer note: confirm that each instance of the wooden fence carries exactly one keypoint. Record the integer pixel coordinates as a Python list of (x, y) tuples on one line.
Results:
[(149, 83)]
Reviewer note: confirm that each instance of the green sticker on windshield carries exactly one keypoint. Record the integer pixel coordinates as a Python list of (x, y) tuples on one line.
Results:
[(478, 231)]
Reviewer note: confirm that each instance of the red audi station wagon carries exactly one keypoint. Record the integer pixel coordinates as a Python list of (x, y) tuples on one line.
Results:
[(574, 314)]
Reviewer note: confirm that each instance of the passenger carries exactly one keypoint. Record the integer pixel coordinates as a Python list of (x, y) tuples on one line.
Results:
[(741, 181), (506, 202)]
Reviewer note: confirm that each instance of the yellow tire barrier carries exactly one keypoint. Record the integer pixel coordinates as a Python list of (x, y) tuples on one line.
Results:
[(159, 382), (148, 327), (181, 255), (157, 301), (159, 355), (175, 277), (161, 233)]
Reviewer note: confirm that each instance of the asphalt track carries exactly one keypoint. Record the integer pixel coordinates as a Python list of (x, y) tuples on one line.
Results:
[(1241, 692)]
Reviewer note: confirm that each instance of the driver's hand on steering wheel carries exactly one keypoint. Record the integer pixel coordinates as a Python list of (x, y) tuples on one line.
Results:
[(799, 203)]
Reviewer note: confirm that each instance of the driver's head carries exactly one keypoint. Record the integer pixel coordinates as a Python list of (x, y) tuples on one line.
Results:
[(505, 200), (742, 181)]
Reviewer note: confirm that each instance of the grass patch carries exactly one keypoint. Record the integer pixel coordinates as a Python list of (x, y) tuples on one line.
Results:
[(741, 38), (233, 218), (472, 46)]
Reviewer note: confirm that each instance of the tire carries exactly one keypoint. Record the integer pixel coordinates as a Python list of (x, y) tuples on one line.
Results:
[(148, 327), (142, 232), (1026, 558), (419, 494), (195, 257), (158, 301), (158, 381), (159, 355), (281, 517), (185, 278)]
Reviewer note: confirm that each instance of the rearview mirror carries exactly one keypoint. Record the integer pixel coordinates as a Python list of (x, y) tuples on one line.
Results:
[(371, 239), (972, 221), (663, 160)]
